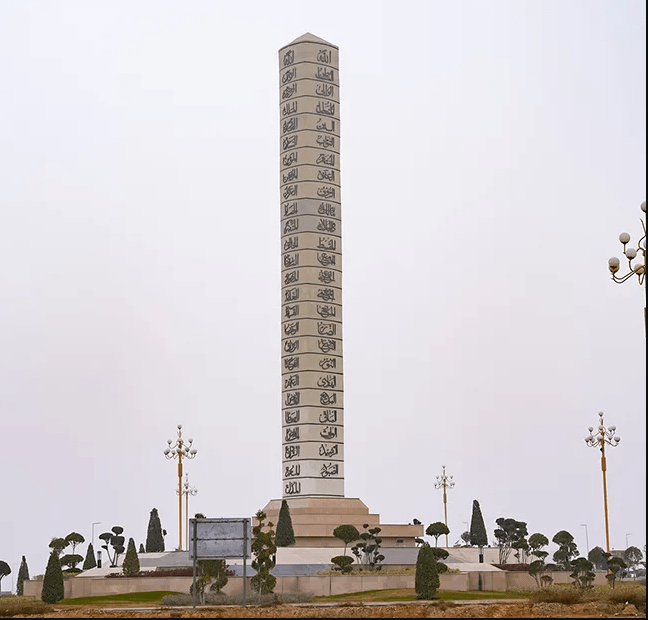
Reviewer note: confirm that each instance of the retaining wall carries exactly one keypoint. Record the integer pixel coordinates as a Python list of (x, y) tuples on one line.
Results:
[(317, 585)]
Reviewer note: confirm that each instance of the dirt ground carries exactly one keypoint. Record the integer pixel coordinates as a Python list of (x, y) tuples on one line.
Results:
[(358, 610)]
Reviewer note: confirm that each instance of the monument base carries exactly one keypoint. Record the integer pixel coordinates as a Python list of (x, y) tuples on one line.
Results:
[(315, 518)]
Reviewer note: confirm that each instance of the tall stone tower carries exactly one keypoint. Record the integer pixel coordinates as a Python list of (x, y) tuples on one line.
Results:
[(311, 258), (312, 410)]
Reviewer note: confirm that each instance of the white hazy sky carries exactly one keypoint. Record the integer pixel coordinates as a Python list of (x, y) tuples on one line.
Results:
[(492, 152)]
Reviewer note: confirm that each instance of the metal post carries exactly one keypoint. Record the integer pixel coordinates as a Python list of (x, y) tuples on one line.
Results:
[(245, 547), (195, 551)]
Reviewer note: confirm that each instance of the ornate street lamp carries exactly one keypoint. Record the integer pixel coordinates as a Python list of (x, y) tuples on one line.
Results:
[(180, 449), (603, 436), (637, 269), (187, 491), (444, 482)]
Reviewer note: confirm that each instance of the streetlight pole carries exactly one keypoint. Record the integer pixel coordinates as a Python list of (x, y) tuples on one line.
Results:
[(586, 537), (93, 538), (444, 482), (180, 449), (627, 544), (637, 269), (602, 437), (187, 491)]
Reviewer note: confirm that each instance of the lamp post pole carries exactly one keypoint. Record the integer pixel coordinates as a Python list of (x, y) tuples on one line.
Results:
[(627, 544), (93, 538), (586, 537), (444, 482), (602, 437), (180, 449), (187, 491), (630, 253)]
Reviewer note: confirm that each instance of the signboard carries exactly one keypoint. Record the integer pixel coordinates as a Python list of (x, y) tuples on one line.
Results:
[(219, 538)]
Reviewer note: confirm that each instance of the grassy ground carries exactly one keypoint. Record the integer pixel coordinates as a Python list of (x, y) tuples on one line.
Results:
[(408, 594), (130, 598)]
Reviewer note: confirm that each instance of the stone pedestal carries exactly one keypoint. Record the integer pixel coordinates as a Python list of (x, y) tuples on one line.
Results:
[(315, 518)]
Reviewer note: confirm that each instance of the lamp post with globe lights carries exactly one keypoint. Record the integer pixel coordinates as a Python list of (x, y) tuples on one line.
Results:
[(187, 491), (444, 482), (180, 449), (637, 269), (603, 436)]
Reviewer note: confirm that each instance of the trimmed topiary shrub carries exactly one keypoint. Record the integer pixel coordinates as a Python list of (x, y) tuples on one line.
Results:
[(23, 574), (154, 537), (131, 565), (53, 591), (342, 563), (285, 534), (90, 560), (426, 581)]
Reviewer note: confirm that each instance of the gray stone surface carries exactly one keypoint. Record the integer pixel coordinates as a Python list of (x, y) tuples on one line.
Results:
[(311, 247)]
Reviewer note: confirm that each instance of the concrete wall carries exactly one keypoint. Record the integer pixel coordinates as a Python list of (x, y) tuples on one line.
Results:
[(318, 585)]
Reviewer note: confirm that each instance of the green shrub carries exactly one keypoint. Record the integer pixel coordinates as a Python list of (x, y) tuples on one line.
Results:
[(22, 606), (342, 563), (53, 590), (558, 594), (426, 581), (285, 536), (131, 565)]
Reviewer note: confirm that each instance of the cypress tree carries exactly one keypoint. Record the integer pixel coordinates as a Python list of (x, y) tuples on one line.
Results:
[(154, 537), (131, 565), (426, 581), (141, 549), (478, 534), (53, 590), (90, 561), (285, 534), (23, 575)]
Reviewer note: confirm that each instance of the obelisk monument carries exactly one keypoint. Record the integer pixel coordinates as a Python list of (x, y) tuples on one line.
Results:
[(311, 259), (312, 387)]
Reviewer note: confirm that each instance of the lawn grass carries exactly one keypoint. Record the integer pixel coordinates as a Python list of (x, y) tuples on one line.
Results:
[(154, 597), (408, 594)]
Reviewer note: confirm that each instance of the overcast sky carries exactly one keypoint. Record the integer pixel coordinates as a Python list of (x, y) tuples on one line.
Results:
[(491, 153)]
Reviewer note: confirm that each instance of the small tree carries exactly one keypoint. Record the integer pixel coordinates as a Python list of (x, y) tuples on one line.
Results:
[(57, 545), (465, 539), (440, 554), (141, 549), (53, 590), (285, 533), (131, 565), (115, 540), (567, 549), (208, 570), (74, 539), (90, 560), (154, 535), (437, 529), (347, 534), (632, 556), (582, 573), (23, 575), (426, 581), (263, 548), (367, 551), (615, 567), (478, 534), (507, 534), (598, 557), (536, 543), (5, 570), (71, 560), (342, 563)]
